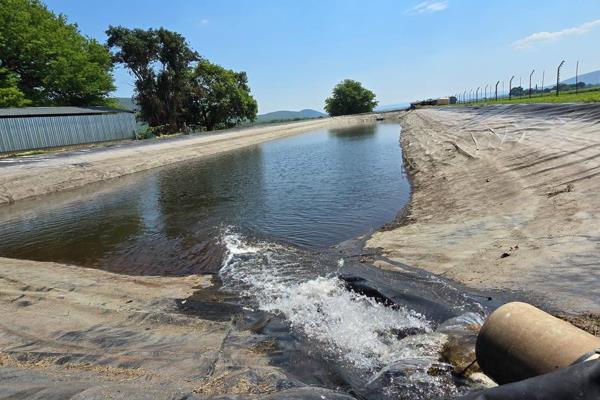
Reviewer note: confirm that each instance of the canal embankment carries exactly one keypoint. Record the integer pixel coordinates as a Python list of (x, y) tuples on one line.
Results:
[(72, 332), (475, 204), (505, 199)]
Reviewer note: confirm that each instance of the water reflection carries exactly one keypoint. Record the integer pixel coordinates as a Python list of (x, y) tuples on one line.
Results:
[(80, 230), (313, 190), (355, 132)]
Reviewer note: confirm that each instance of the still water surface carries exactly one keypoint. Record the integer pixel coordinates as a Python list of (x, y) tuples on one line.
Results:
[(313, 190)]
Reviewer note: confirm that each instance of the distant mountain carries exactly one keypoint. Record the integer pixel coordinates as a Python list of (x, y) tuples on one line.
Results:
[(591, 78), (127, 103), (289, 115)]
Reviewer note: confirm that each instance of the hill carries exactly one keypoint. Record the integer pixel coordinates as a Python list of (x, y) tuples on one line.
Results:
[(126, 103), (591, 78), (288, 115)]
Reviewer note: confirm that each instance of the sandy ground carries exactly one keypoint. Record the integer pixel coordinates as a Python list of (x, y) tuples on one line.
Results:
[(38, 175), (505, 198), (68, 332)]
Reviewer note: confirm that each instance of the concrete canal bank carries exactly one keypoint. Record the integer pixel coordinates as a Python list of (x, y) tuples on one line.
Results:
[(505, 198)]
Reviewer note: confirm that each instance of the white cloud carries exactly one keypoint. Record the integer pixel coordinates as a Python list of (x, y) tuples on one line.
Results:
[(204, 21), (428, 7), (537, 37)]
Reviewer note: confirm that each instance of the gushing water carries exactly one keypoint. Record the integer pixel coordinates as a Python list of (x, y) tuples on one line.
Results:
[(393, 347)]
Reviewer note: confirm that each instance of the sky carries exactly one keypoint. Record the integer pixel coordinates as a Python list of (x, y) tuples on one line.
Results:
[(295, 52)]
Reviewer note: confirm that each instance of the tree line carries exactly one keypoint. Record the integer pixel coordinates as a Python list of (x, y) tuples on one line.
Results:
[(46, 61)]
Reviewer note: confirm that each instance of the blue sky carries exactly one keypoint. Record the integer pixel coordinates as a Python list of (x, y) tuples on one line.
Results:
[(295, 51)]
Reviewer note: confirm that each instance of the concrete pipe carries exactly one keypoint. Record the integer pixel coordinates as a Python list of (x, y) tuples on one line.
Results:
[(519, 341)]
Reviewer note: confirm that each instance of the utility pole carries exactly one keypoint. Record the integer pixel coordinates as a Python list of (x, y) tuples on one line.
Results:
[(577, 78), (477, 94), (497, 90), (510, 88), (558, 76), (530, 75), (485, 95)]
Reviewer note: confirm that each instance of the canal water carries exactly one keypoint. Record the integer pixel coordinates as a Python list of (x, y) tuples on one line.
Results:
[(313, 190), (267, 221)]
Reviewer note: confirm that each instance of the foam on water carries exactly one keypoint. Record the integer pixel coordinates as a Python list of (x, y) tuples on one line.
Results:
[(348, 326), (390, 352)]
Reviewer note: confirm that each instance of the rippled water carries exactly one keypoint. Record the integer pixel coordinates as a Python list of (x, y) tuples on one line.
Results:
[(313, 190)]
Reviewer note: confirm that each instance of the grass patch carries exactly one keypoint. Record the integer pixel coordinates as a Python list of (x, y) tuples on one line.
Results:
[(31, 153), (583, 96), (24, 153)]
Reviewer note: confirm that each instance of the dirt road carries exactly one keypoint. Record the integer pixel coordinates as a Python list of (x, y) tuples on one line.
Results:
[(505, 197)]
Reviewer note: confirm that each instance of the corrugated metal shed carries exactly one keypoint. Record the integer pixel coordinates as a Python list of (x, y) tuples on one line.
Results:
[(32, 128)]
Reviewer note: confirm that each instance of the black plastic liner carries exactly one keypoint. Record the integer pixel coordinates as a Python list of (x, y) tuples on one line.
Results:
[(578, 382)]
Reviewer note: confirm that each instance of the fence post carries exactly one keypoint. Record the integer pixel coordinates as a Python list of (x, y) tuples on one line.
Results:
[(577, 78), (530, 75), (558, 76), (497, 83), (510, 88)]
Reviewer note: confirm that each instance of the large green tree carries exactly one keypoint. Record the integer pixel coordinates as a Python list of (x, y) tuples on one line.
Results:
[(10, 94), (161, 62), (350, 97), (220, 97), (51, 61)]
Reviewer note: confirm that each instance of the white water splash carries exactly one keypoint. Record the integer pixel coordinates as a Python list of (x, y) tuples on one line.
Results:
[(353, 327)]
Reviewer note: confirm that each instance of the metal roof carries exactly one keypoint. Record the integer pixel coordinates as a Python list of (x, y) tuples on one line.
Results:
[(55, 111)]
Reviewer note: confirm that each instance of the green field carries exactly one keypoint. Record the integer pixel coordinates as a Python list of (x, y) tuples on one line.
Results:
[(584, 96)]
